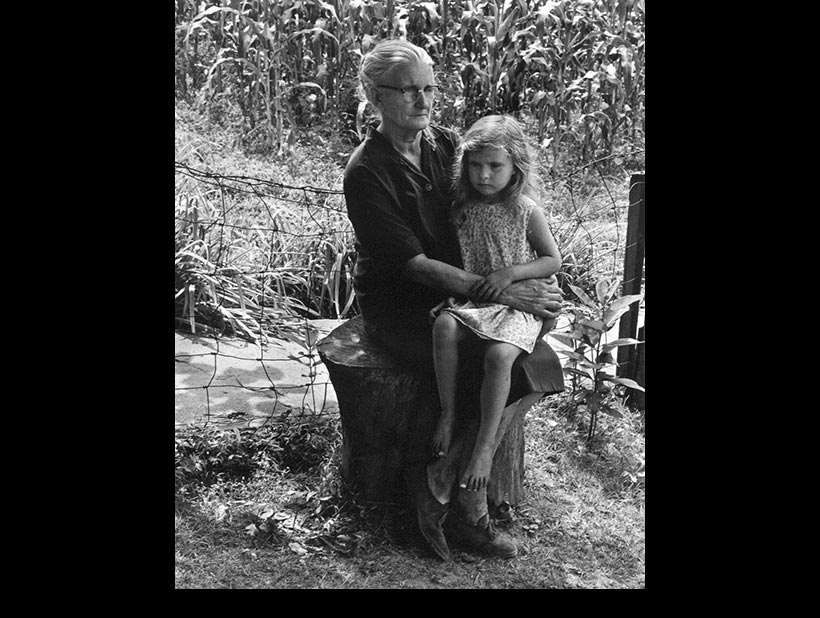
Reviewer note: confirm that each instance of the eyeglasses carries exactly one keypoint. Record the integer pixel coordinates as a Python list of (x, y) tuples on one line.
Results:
[(411, 93)]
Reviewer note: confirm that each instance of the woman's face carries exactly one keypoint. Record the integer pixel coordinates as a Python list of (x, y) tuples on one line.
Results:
[(399, 115)]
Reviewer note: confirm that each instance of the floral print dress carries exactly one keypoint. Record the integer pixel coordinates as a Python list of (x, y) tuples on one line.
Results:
[(494, 236)]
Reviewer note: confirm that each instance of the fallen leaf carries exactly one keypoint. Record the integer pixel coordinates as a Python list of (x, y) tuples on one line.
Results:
[(297, 549)]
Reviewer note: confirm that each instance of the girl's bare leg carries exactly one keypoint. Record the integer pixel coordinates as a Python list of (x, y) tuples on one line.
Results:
[(495, 388), (447, 334)]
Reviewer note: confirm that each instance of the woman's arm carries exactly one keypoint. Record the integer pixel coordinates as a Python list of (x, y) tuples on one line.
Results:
[(540, 297), (437, 274)]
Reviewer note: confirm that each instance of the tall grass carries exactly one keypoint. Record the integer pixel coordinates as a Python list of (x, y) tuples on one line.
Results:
[(252, 251)]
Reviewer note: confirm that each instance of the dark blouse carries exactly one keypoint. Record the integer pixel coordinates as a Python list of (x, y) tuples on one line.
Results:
[(398, 212)]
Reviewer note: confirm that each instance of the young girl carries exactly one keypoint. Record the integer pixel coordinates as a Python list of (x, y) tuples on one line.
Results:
[(504, 236)]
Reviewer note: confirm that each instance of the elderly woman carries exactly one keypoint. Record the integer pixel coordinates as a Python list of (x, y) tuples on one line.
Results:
[(397, 187)]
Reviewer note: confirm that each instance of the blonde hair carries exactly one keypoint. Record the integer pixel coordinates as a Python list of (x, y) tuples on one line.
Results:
[(496, 131), (386, 57)]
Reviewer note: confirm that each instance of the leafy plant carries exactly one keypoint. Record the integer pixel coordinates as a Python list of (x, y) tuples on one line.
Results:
[(591, 361), (204, 456)]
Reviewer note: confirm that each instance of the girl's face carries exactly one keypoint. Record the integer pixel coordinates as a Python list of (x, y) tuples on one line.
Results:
[(490, 171)]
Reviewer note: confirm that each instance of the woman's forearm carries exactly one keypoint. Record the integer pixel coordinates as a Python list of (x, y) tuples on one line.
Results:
[(540, 297), (433, 273)]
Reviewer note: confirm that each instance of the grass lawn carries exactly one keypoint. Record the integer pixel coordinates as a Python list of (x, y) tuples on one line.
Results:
[(296, 526)]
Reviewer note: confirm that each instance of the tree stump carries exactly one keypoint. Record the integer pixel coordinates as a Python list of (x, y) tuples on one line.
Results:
[(388, 415)]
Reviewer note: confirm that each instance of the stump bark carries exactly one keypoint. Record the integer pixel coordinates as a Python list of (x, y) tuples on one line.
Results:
[(388, 414)]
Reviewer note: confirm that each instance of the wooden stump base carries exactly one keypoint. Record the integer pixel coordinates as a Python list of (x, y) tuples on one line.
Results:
[(388, 415)]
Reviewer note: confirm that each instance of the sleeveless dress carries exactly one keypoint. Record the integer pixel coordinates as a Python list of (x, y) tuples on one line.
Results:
[(494, 236)]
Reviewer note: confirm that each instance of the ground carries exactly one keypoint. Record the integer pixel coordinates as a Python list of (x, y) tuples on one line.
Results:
[(582, 524)]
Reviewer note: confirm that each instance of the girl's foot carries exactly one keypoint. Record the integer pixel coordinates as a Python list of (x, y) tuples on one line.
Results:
[(477, 474), (443, 434)]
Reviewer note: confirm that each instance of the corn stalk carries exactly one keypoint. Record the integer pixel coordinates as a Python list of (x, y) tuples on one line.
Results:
[(577, 66)]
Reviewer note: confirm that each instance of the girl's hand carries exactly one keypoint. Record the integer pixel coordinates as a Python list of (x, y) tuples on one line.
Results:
[(447, 302), (489, 288)]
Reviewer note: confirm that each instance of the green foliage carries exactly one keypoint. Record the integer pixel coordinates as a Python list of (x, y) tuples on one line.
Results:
[(247, 258), (204, 456), (591, 361), (589, 231), (576, 66)]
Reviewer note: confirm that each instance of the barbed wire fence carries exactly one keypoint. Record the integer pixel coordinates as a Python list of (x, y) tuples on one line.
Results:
[(258, 260)]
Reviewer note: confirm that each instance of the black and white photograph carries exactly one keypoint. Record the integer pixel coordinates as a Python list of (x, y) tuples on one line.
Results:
[(409, 294)]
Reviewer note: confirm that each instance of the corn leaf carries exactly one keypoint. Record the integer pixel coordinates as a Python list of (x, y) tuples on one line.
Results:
[(505, 25)]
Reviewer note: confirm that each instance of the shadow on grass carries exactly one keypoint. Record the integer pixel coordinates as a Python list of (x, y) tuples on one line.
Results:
[(346, 546), (285, 529)]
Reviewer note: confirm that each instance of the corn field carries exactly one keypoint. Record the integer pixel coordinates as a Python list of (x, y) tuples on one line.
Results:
[(576, 68)]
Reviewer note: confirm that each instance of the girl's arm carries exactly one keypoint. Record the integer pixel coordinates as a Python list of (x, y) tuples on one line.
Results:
[(545, 265)]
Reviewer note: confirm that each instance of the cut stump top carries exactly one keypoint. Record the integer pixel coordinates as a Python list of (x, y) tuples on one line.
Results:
[(350, 346)]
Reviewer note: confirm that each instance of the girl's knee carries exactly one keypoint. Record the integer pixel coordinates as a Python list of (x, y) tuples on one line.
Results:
[(500, 356), (445, 327)]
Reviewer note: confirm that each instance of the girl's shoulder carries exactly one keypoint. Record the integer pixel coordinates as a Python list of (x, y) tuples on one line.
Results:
[(525, 204), (526, 200)]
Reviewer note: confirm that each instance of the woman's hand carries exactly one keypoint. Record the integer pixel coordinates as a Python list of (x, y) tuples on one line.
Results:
[(447, 302), (541, 297), (490, 287)]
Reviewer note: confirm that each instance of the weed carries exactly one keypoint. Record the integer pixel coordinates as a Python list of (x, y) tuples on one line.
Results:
[(204, 456), (591, 361)]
